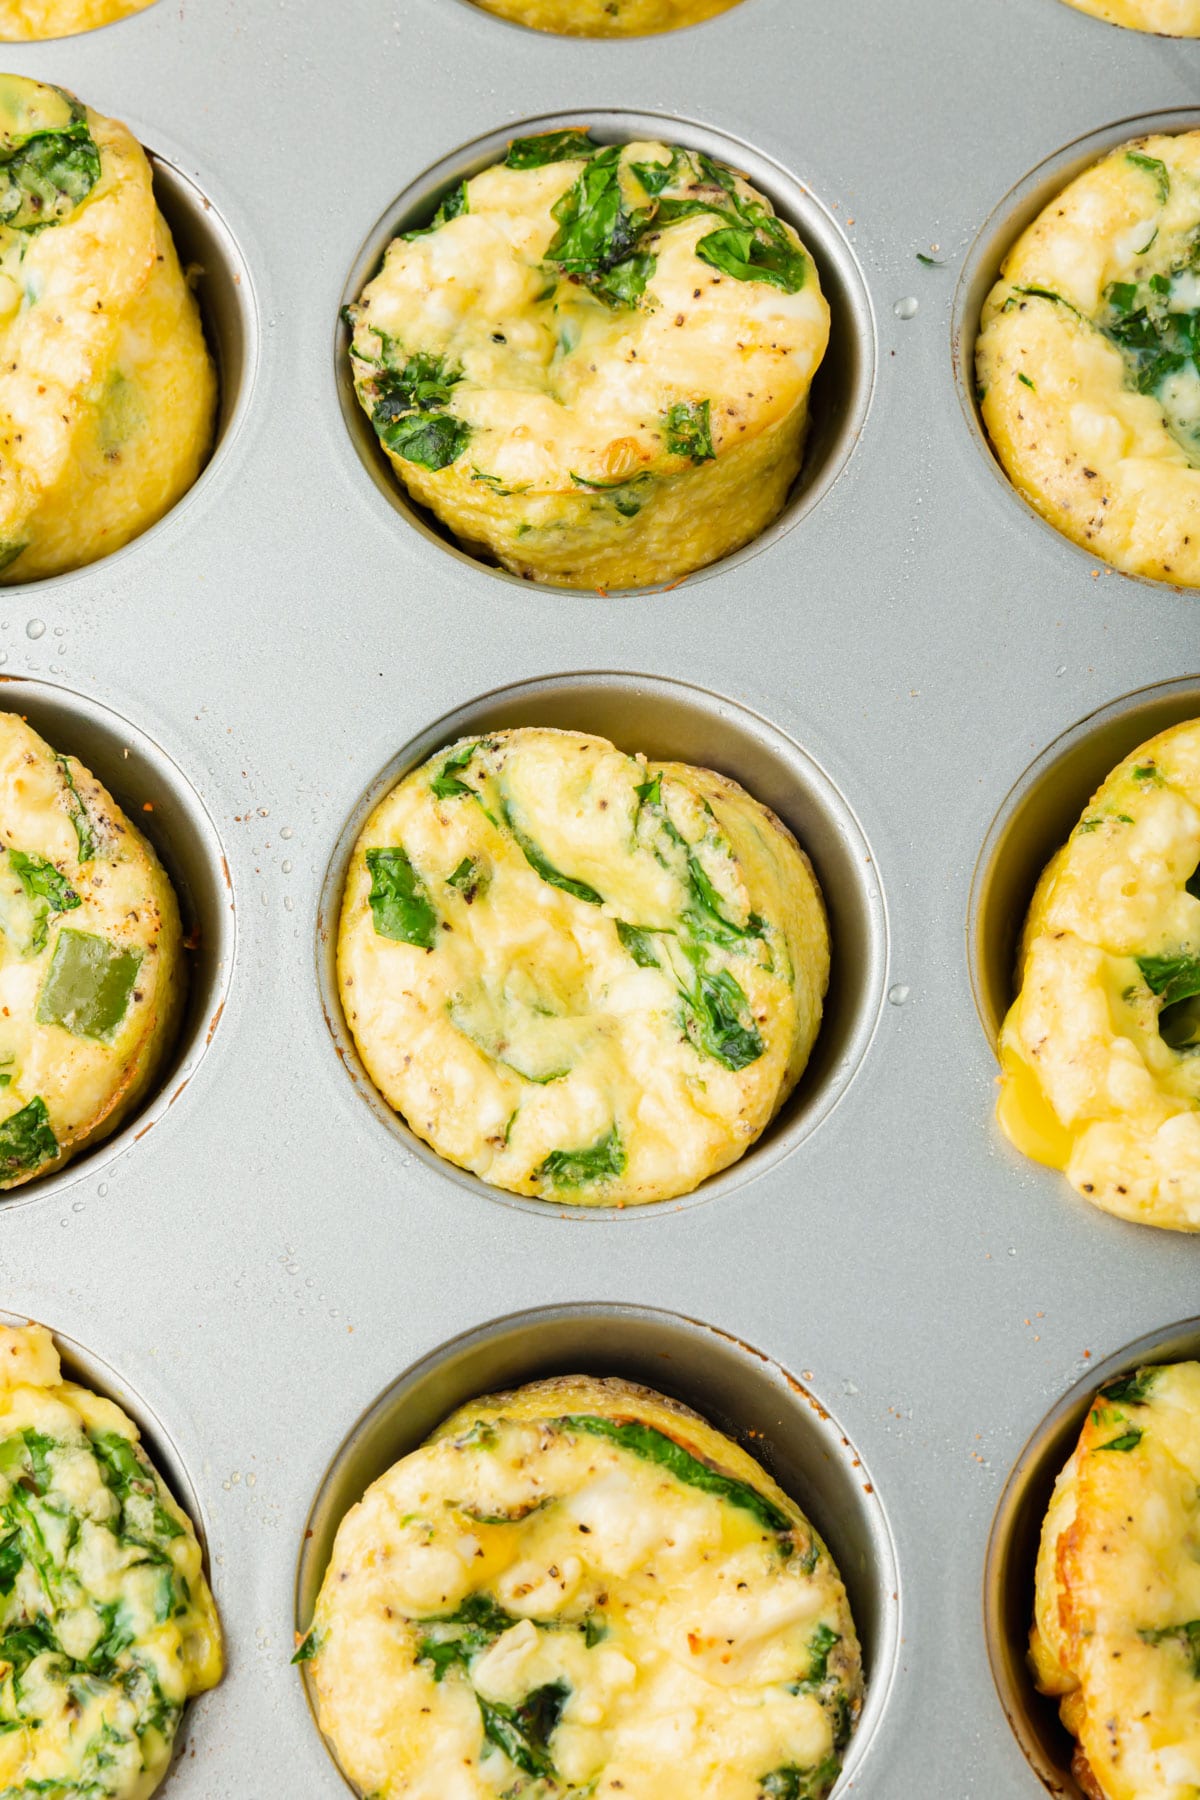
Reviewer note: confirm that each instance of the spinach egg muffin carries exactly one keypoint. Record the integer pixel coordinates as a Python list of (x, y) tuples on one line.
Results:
[(1169, 18), (583, 1588), (1100, 1052), (1088, 360), (1116, 1637), (29, 21), (606, 18), (578, 974), (91, 959), (593, 363), (107, 389), (107, 1625)]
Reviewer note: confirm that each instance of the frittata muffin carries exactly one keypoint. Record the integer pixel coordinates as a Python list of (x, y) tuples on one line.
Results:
[(91, 959), (107, 1625), (582, 1587), (1100, 1052), (107, 390), (1087, 360), (29, 21), (1116, 1637), (606, 18), (581, 975), (1169, 18), (593, 363)]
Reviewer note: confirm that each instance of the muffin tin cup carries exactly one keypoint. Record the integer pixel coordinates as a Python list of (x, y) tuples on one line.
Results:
[(734, 1386), (841, 392), (667, 721), (156, 796)]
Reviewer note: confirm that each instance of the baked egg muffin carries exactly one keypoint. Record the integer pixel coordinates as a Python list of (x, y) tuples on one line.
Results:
[(593, 363), (107, 1625), (1169, 18), (1088, 360), (107, 390), (606, 18), (1116, 1637), (1100, 1052), (91, 959), (23, 21), (579, 974), (582, 1588)]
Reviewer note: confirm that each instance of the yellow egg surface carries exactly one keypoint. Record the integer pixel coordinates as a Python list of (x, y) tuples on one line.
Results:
[(579, 974), (1100, 1052), (1170, 18), (594, 363), (578, 1588), (1087, 366), (606, 18), (107, 389), (91, 960), (1116, 1636), (107, 1625), (23, 21)]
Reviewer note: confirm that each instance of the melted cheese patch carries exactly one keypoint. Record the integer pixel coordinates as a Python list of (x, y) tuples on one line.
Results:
[(31, 21), (91, 976), (1086, 360), (583, 1587), (606, 18), (1170, 18), (107, 390), (1117, 1629), (107, 1625), (566, 371), (578, 974), (1101, 1050)]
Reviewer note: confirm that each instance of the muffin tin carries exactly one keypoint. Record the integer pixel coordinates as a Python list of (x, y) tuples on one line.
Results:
[(882, 1285)]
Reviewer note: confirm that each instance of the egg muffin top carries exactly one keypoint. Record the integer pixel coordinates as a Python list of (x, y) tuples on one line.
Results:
[(1169, 18), (606, 18), (26, 21), (583, 1587)]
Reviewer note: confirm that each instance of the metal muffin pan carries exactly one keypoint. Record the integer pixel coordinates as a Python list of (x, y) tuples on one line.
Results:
[(268, 1260)]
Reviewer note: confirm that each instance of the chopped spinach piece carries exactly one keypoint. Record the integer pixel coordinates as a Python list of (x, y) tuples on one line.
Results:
[(595, 1630), (1173, 978), (446, 783), (930, 262), (46, 888), (539, 864), (637, 940), (1044, 293), (758, 250), (1130, 1390), (688, 430), (454, 1640), (456, 202), (434, 440), (602, 1161), (1187, 1637), (1024, 379), (523, 1732), (309, 1646), (656, 1447), (419, 385), (406, 411), (597, 241), (549, 147), (12, 1561), (85, 835), (26, 1140), (820, 1644), (398, 901), (88, 985), (21, 1645), (713, 1020), (45, 173), (793, 1783), (469, 879), (1154, 166), (1128, 1440)]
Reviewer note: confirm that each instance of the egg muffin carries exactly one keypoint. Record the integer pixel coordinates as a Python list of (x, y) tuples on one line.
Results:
[(578, 974), (1087, 360), (1170, 18), (606, 18), (107, 1625), (91, 959), (1100, 1052), (1116, 1636), (107, 389), (582, 1587), (593, 363), (24, 21)]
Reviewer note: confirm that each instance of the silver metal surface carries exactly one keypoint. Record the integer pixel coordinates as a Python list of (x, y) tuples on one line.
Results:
[(268, 1260)]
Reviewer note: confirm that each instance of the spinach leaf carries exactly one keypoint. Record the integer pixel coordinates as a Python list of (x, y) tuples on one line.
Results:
[(523, 1732), (406, 414), (12, 1561), (418, 385), (131, 1479), (457, 201), (398, 901), (688, 430), (1173, 978), (598, 235), (656, 1447), (1128, 1440), (85, 835), (713, 1020), (46, 174), (446, 784), (539, 864), (1187, 1637), (119, 1633), (26, 1140), (1130, 1390), (1154, 166), (454, 1640), (757, 250), (549, 147), (25, 1642), (46, 888), (638, 941), (820, 1644), (793, 1783), (1044, 293), (602, 1161), (309, 1647), (434, 440), (654, 177), (469, 878)]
